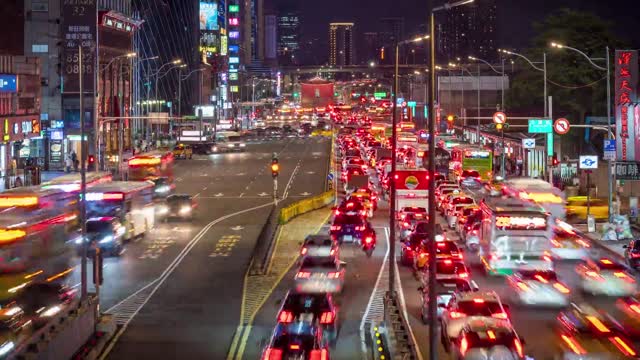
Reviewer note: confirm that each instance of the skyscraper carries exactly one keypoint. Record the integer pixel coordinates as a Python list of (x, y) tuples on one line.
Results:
[(468, 30), (288, 37), (372, 45), (341, 44)]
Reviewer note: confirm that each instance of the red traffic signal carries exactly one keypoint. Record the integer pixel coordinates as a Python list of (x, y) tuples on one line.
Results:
[(275, 167)]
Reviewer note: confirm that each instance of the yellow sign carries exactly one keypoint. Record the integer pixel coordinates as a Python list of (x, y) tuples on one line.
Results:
[(223, 45)]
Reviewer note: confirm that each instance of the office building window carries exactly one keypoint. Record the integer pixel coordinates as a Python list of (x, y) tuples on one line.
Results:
[(40, 48)]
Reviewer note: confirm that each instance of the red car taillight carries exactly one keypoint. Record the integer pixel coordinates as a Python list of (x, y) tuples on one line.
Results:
[(285, 316), (303, 275), (333, 275), (322, 354), (500, 315), (303, 251), (457, 315), (335, 227), (272, 354), (368, 240), (327, 317)]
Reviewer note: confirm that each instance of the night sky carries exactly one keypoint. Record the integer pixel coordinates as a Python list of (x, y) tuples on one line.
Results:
[(516, 16)]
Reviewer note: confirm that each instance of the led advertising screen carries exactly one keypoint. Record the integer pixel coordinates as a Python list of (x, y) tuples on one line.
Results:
[(8, 83), (208, 15)]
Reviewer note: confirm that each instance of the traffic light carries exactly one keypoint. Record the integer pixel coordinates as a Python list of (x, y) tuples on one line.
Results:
[(501, 127), (275, 167), (91, 162), (554, 160), (498, 126), (451, 118)]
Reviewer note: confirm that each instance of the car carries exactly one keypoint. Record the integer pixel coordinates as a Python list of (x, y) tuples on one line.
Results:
[(577, 208), (468, 174), (410, 248), (182, 151), (445, 288), (302, 340), (420, 211), (604, 276), (182, 206), (538, 288), (472, 237), (464, 308), (42, 301), (568, 244), (319, 246), (162, 187), (320, 275), (468, 212), (451, 269), (632, 253), (584, 332), (354, 160), (454, 215), (444, 250), (484, 339), (368, 193), (229, 144), (321, 306), (352, 170), (454, 201), (107, 233), (15, 326), (445, 199), (347, 228)]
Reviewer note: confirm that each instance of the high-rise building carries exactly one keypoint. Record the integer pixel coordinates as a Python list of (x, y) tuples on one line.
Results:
[(270, 38), (288, 37), (341, 44), (468, 30), (392, 29), (371, 47)]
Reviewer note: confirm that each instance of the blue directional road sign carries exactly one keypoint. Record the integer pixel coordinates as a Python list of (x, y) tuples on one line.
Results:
[(529, 143), (330, 176), (588, 162)]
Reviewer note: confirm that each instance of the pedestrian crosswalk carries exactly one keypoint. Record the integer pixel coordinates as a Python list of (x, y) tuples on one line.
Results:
[(124, 311)]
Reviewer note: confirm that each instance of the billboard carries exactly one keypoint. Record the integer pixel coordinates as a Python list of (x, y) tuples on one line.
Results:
[(78, 30), (208, 15), (626, 92), (8, 83)]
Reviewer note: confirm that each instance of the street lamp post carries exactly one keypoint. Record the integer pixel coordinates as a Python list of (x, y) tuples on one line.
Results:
[(501, 73), (392, 190), (533, 65), (433, 341), (607, 68)]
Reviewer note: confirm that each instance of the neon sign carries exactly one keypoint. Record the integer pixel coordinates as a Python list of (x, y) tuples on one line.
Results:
[(10, 235), (521, 223), (626, 82)]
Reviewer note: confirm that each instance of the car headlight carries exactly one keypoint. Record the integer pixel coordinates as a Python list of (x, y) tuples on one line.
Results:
[(106, 239), (121, 230), (185, 210), (439, 237), (215, 148), (51, 311), (163, 189), (6, 347), (243, 145), (78, 240), (163, 210), (230, 145)]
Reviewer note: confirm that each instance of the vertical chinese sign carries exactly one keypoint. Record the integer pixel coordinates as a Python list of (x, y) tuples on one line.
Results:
[(626, 91), (79, 30)]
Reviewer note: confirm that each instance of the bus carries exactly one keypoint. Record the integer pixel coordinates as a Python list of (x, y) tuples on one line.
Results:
[(131, 202), (153, 164), (539, 192), (468, 157), (37, 226), (72, 182), (514, 235)]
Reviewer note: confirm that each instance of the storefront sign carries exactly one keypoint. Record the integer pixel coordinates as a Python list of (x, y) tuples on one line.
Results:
[(627, 170), (626, 82), (8, 83), (79, 30), (55, 150)]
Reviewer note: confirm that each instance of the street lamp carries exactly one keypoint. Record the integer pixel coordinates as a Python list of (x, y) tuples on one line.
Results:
[(392, 211), (607, 68), (174, 62), (501, 73), (478, 109), (543, 70), (433, 340)]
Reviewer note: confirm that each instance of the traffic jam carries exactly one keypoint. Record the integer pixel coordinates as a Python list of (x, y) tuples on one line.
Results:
[(510, 234), (41, 242)]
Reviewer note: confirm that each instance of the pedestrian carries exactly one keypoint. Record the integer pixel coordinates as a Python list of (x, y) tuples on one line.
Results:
[(67, 162), (74, 160)]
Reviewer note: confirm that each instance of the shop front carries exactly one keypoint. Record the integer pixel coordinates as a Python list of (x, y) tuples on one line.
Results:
[(22, 149)]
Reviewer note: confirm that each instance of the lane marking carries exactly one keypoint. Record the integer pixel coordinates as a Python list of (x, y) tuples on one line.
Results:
[(243, 330), (140, 301), (377, 294), (196, 195)]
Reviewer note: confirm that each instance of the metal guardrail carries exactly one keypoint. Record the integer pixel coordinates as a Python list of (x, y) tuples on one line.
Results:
[(400, 344)]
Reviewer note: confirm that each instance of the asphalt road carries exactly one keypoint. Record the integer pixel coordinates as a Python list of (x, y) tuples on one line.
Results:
[(175, 292), (360, 302)]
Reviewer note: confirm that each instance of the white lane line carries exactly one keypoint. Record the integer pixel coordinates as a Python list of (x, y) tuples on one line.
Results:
[(293, 175), (131, 310), (375, 295), (404, 308), (241, 195), (196, 195)]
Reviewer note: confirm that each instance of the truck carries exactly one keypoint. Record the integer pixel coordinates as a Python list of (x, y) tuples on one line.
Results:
[(357, 182), (412, 187)]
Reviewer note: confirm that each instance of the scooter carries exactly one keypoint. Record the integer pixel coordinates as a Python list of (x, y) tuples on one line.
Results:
[(369, 244)]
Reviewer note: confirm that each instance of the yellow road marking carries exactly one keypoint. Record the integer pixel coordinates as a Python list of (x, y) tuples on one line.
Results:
[(243, 331)]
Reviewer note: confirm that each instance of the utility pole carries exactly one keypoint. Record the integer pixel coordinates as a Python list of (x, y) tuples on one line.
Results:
[(83, 182), (392, 187)]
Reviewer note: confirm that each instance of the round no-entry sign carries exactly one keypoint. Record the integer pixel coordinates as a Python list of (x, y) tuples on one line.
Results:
[(499, 118), (561, 126)]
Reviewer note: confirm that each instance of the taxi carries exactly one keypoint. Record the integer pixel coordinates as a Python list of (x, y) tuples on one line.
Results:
[(368, 199), (577, 208), (182, 151)]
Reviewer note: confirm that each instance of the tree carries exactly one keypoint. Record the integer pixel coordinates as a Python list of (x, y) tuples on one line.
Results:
[(578, 89)]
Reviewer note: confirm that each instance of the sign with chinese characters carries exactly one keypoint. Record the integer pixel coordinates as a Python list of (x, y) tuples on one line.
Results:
[(626, 82), (78, 30), (540, 126), (609, 149), (627, 170), (521, 223)]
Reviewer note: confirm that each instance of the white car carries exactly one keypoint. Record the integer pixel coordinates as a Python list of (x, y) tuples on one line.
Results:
[(606, 277), (454, 214), (472, 237), (538, 288), (320, 275), (464, 308)]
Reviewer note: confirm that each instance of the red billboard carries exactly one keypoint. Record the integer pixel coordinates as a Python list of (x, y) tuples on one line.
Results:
[(316, 92), (626, 92)]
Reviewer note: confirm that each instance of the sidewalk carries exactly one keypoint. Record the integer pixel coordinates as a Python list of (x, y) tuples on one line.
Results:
[(615, 247)]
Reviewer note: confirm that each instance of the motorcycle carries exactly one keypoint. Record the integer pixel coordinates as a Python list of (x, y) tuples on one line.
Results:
[(368, 243)]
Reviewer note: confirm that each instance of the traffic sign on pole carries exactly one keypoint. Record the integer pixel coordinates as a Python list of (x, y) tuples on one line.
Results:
[(588, 162), (499, 118), (561, 126), (609, 149), (540, 126), (529, 143)]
